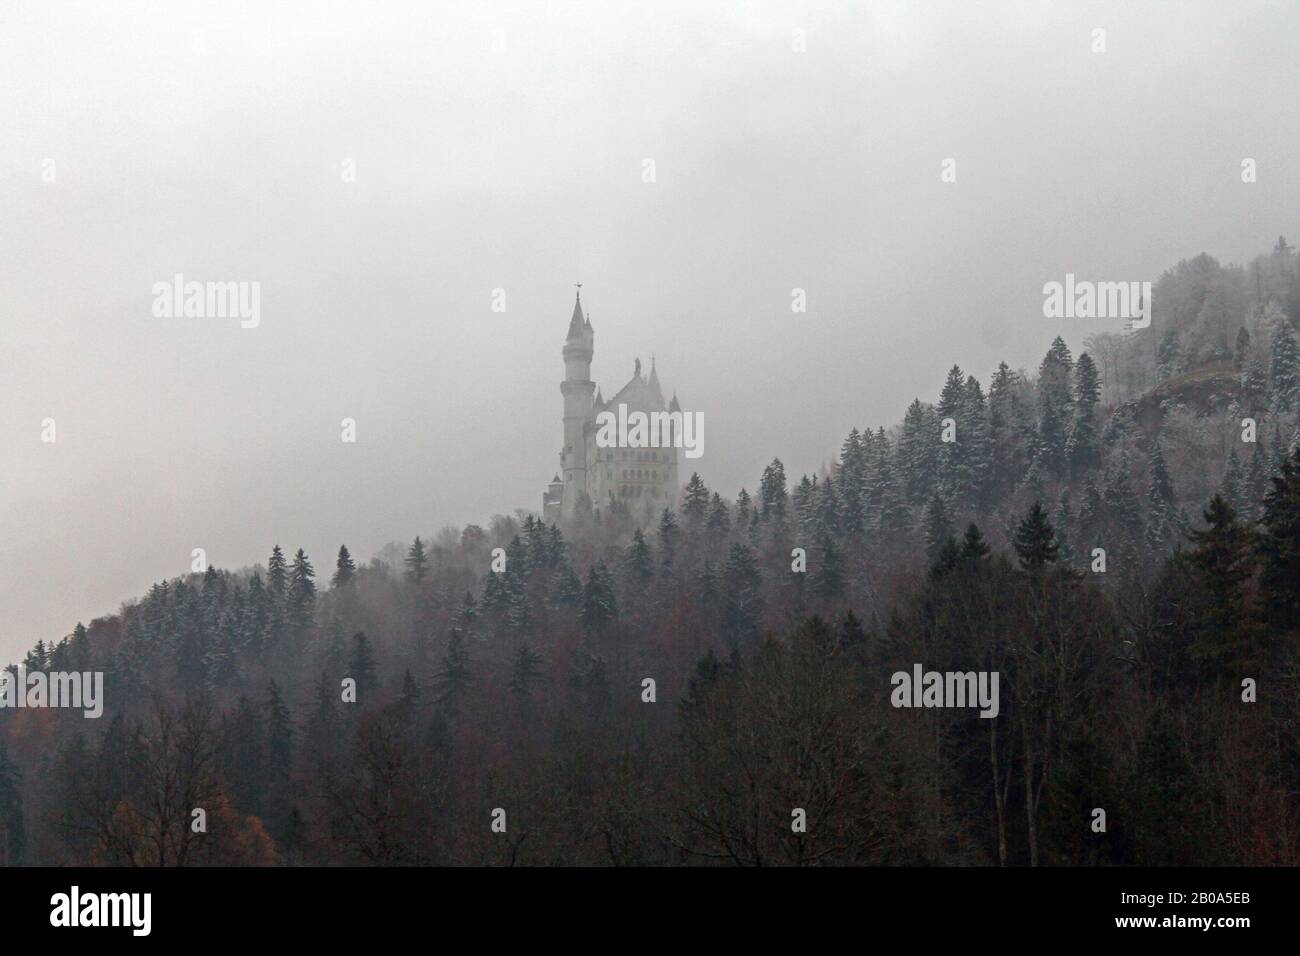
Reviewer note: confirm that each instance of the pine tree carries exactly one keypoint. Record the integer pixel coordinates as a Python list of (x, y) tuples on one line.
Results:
[(599, 608), (454, 675), (852, 635), (1122, 508), (637, 561), (1256, 485), (409, 701), (361, 666), (938, 529), (1223, 563), (744, 508), (742, 594), (277, 574), (853, 480), (417, 564), (719, 522), (695, 503), (893, 514), (1284, 367), (707, 586), (772, 492), (977, 451), (1087, 387), (827, 509), (801, 503), (1056, 404), (1279, 548), (1063, 521), (668, 533), (13, 828), (948, 559), (954, 473), (1035, 540), (1162, 524), (973, 545), (918, 454), (564, 590), (468, 613), (302, 590), (1231, 489), (525, 672), (344, 568), (279, 736), (1009, 432), (828, 572), (1241, 351)]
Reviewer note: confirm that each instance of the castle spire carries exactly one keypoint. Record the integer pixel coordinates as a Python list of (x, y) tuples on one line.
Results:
[(576, 323)]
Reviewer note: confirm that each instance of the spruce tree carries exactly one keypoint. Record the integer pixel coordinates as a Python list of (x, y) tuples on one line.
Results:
[(361, 666), (599, 607), (668, 533), (1223, 564), (453, 677), (1279, 548), (277, 574), (828, 572), (637, 564), (742, 594), (417, 564), (938, 529), (719, 521), (695, 503), (279, 735), (525, 672), (977, 451), (302, 590), (1056, 404), (1284, 366), (852, 480), (918, 454), (954, 473), (1035, 542), (13, 827), (344, 568), (564, 588), (1231, 488), (973, 545)]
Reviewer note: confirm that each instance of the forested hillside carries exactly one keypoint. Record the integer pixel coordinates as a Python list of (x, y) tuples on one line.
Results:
[(769, 621)]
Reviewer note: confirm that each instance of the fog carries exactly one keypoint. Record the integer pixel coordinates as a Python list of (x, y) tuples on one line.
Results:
[(502, 146)]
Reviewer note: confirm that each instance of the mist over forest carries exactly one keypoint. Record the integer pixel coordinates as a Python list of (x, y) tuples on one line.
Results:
[(1116, 533), (318, 551)]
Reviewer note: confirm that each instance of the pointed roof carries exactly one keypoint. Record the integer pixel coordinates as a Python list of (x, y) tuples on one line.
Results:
[(576, 323), (654, 382)]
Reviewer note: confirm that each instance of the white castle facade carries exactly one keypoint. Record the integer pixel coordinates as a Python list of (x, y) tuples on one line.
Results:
[(590, 477)]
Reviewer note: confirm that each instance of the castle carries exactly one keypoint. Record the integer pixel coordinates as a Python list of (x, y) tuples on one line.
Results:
[(590, 477)]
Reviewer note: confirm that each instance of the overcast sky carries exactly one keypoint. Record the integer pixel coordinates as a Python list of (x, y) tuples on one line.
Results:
[(503, 146)]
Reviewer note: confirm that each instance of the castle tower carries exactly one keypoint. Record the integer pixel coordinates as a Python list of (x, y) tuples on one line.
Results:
[(577, 389)]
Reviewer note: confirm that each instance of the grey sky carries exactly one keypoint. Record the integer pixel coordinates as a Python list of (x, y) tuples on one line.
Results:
[(501, 146)]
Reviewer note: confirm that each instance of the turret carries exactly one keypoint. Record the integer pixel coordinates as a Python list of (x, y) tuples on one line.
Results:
[(577, 389)]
